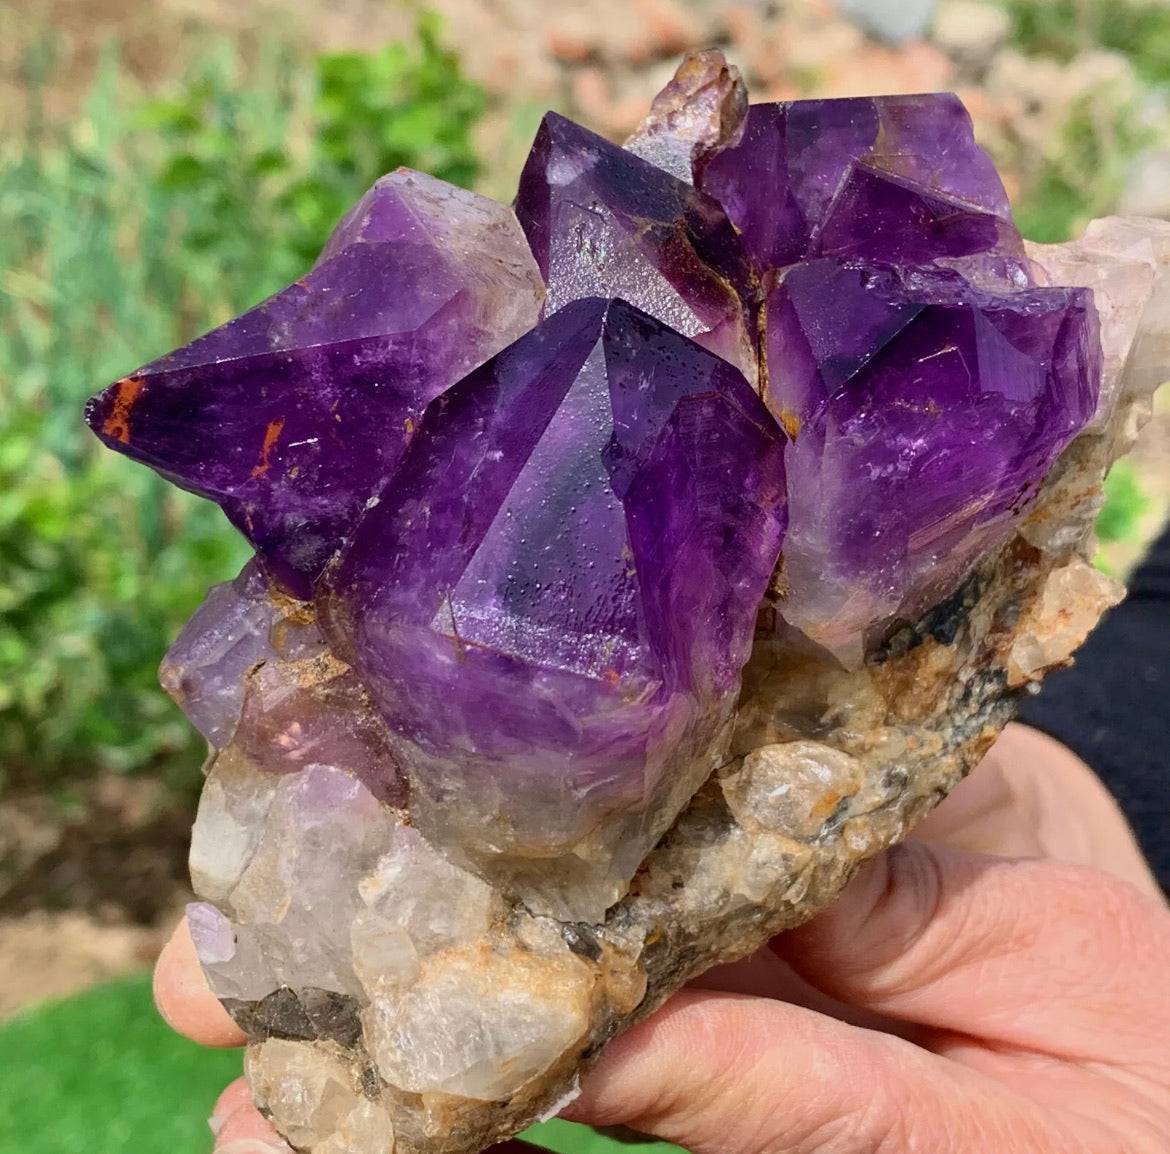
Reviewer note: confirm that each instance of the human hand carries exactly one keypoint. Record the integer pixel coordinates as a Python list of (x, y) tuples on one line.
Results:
[(950, 1002)]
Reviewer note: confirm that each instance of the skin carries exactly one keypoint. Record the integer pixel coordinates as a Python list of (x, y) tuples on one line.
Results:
[(996, 984)]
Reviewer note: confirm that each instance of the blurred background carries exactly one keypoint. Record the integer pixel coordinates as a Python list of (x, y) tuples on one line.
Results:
[(166, 163)]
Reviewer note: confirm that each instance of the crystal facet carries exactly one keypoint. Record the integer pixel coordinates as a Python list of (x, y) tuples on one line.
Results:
[(889, 178), (602, 222)]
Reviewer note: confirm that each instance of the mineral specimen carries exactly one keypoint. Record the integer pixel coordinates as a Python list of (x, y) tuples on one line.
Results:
[(628, 569)]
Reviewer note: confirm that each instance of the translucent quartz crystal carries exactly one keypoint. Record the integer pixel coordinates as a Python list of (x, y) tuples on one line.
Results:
[(552, 602), (699, 112), (252, 662), (1125, 263), (227, 636), (294, 414)]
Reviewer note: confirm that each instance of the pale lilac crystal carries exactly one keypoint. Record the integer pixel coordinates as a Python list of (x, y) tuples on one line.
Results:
[(227, 637), (925, 413), (294, 414), (252, 669)]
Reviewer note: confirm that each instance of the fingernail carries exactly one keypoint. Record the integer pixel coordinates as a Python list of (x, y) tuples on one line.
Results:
[(215, 1122)]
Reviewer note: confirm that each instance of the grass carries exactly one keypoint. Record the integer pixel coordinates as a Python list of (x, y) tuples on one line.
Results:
[(101, 1073)]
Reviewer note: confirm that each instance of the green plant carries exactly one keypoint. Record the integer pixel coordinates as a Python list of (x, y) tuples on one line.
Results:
[(101, 1073), (1084, 175), (122, 234), (1140, 29), (365, 114)]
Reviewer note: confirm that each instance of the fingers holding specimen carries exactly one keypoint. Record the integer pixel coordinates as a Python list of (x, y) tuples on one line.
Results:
[(1034, 954), (718, 1072)]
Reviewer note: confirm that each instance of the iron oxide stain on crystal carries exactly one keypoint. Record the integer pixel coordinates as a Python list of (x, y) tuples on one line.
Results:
[(629, 566)]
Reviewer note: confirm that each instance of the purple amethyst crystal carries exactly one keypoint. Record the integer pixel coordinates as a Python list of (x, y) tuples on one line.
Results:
[(603, 222), (292, 415), (925, 413), (552, 602), (889, 178)]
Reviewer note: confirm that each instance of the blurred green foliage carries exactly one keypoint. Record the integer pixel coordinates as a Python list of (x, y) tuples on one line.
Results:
[(123, 234), (1124, 504), (1139, 29), (1084, 174)]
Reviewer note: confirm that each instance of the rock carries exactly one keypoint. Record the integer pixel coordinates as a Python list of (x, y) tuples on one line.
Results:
[(895, 20)]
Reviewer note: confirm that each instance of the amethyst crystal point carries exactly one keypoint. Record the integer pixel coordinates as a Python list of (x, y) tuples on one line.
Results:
[(892, 178), (603, 222), (294, 414), (552, 601), (925, 414)]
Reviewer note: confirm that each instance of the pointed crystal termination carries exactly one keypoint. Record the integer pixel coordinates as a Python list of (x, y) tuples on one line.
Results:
[(889, 178), (552, 602), (602, 222), (294, 414), (925, 414)]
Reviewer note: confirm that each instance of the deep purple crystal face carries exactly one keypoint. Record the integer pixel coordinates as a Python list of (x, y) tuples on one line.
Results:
[(294, 414), (925, 413), (561, 583), (889, 178), (602, 222)]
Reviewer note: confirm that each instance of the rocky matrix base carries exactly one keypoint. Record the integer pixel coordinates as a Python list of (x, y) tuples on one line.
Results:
[(630, 566)]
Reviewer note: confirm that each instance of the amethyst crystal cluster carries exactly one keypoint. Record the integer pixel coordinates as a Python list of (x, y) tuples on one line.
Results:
[(529, 489), (532, 473)]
